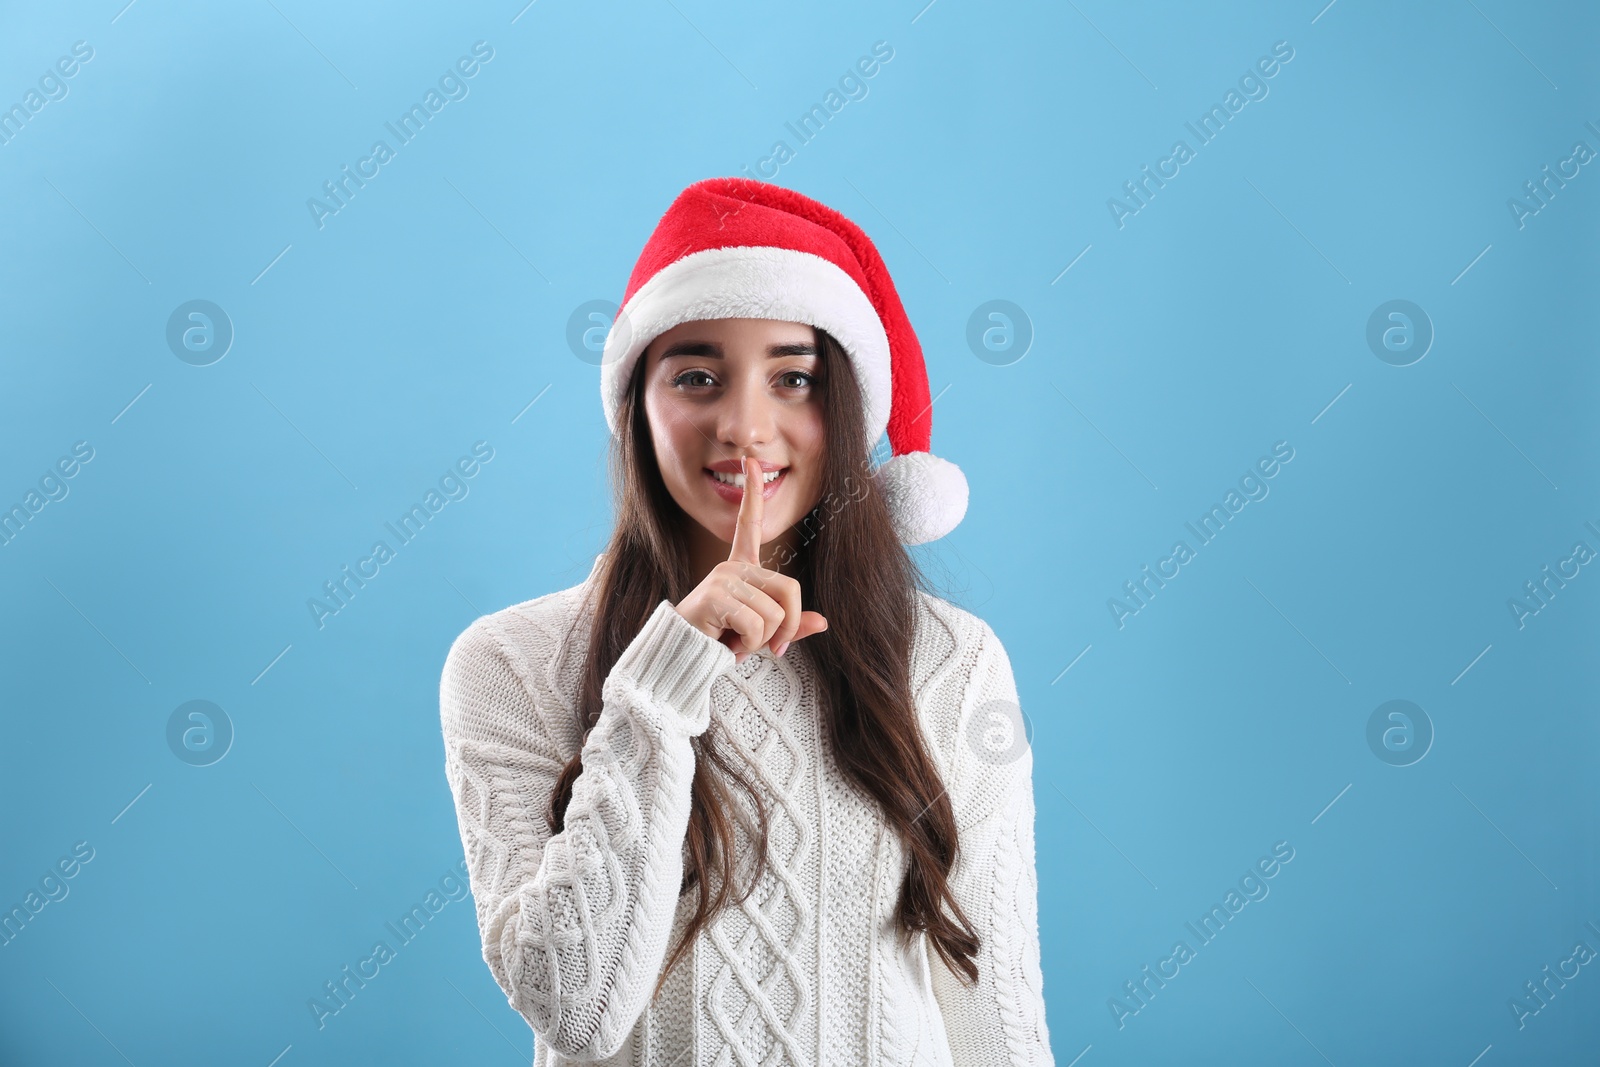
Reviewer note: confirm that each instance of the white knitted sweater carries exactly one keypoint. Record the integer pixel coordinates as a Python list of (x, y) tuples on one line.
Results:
[(807, 971)]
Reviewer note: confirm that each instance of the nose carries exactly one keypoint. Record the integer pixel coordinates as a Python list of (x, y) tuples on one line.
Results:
[(745, 415)]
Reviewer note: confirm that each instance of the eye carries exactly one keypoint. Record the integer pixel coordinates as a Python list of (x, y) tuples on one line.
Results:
[(680, 380), (809, 379)]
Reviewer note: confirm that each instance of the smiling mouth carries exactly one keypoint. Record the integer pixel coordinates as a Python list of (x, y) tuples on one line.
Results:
[(730, 487), (738, 479)]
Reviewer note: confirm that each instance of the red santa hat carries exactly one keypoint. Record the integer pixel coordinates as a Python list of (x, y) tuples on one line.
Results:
[(740, 248)]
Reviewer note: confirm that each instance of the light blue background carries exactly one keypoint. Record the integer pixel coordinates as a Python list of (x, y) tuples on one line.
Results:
[(1228, 314)]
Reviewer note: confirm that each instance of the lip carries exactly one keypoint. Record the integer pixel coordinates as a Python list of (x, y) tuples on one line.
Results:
[(733, 494)]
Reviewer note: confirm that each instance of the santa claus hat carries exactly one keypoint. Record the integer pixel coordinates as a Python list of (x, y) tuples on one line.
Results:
[(739, 248)]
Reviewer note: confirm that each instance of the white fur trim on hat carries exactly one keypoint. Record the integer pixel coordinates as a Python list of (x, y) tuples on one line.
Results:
[(753, 282), (927, 495)]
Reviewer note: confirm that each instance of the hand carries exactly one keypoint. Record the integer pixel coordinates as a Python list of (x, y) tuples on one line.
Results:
[(740, 602)]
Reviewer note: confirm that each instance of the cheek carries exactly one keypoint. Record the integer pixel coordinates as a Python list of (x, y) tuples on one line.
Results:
[(803, 429), (813, 444), (674, 440), (808, 442)]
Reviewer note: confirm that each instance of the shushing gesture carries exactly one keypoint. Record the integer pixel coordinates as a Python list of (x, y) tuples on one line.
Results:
[(740, 602)]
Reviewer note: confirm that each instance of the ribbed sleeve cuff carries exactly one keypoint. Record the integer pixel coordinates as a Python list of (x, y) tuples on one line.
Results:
[(674, 661)]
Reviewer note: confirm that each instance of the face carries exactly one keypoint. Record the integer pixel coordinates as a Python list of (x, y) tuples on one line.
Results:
[(720, 389)]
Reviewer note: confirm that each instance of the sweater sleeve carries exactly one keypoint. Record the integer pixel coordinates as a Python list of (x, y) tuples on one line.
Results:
[(1001, 1018), (575, 925)]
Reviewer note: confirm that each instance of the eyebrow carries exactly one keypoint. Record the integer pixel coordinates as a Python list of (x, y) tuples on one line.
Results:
[(713, 350)]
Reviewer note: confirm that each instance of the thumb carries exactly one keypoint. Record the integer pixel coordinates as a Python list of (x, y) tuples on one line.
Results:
[(811, 622)]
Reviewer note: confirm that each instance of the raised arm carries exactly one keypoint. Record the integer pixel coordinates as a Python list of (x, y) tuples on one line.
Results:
[(1000, 1020), (575, 926)]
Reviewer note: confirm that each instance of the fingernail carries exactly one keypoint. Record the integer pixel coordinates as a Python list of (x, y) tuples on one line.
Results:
[(782, 647)]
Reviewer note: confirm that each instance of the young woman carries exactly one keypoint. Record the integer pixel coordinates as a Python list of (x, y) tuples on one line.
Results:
[(745, 795)]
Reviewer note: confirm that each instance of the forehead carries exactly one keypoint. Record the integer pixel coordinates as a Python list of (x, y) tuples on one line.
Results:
[(733, 338)]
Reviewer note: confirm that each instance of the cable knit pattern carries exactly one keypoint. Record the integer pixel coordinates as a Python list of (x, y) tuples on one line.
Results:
[(808, 969)]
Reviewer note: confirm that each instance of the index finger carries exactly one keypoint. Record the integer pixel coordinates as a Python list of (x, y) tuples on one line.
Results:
[(747, 527)]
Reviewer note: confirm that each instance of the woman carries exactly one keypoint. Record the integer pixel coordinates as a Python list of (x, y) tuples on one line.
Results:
[(738, 797)]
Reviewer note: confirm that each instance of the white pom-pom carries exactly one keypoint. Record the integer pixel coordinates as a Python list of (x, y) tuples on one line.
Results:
[(927, 496)]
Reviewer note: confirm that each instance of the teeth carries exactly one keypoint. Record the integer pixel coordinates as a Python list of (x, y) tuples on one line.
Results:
[(738, 479)]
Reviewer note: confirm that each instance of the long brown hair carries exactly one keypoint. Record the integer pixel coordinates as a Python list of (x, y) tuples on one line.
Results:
[(853, 569)]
